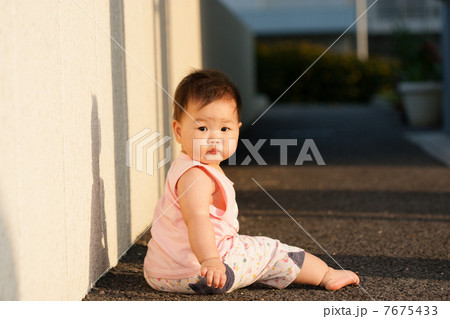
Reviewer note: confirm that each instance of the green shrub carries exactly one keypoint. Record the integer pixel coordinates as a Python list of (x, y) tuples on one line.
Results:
[(334, 78), (419, 60)]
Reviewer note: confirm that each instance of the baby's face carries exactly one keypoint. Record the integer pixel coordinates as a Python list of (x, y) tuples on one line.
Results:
[(215, 137)]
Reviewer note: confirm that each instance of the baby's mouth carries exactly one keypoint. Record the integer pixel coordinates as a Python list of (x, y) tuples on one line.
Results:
[(214, 151)]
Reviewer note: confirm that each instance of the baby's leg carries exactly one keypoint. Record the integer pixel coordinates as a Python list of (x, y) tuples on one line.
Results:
[(316, 272)]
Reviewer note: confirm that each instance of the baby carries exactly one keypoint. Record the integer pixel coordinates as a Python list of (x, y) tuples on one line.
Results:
[(195, 245)]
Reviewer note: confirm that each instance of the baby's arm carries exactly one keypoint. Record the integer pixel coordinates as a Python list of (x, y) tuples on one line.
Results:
[(198, 188)]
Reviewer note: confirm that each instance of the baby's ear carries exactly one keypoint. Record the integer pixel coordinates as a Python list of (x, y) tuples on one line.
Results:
[(240, 124), (176, 130)]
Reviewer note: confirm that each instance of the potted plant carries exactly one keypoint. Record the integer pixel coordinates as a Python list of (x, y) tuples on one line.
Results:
[(420, 85)]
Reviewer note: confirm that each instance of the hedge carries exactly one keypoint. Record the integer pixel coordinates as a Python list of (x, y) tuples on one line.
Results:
[(334, 78)]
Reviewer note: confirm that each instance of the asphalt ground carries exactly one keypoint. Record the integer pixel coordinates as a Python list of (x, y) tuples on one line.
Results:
[(380, 207)]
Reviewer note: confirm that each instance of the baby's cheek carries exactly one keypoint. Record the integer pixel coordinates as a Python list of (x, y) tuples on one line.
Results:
[(232, 145)]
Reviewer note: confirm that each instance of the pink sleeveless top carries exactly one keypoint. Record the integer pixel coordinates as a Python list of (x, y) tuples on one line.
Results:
[(169, 253)]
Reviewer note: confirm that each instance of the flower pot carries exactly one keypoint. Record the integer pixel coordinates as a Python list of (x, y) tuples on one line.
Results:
[(422, 102)]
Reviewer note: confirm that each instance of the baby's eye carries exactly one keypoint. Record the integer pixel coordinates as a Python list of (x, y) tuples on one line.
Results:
[(224, 129), (202, 128)]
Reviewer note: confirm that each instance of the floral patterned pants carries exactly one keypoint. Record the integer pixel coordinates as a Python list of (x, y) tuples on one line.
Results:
[(251, 259)]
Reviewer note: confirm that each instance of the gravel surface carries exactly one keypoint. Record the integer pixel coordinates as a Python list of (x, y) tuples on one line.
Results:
[(380, 207)]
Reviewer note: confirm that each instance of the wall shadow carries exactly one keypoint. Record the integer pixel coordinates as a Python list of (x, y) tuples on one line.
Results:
[(120, 124), (98, 245), (7, 264), (163, 71)]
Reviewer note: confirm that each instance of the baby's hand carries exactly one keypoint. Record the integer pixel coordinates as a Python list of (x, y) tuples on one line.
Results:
[(214, 269)]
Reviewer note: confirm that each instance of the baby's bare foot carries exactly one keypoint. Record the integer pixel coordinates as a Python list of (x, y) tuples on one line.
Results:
[(336, 279)]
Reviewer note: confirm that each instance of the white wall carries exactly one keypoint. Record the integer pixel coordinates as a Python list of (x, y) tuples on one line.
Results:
[(70, 98)]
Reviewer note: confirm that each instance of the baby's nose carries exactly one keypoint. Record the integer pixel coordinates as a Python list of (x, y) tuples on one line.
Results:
[(214, 141)]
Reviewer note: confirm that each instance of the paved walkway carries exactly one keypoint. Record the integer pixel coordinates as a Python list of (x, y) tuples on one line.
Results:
[(380, 206)]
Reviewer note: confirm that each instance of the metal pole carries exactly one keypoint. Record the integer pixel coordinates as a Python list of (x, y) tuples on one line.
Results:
[(362, 42), (446, 66)]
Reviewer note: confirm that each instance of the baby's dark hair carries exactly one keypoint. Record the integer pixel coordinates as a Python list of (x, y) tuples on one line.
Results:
[(204, 87)]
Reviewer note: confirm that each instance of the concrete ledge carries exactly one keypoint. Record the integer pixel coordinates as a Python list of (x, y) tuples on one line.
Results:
[(435, 143)]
